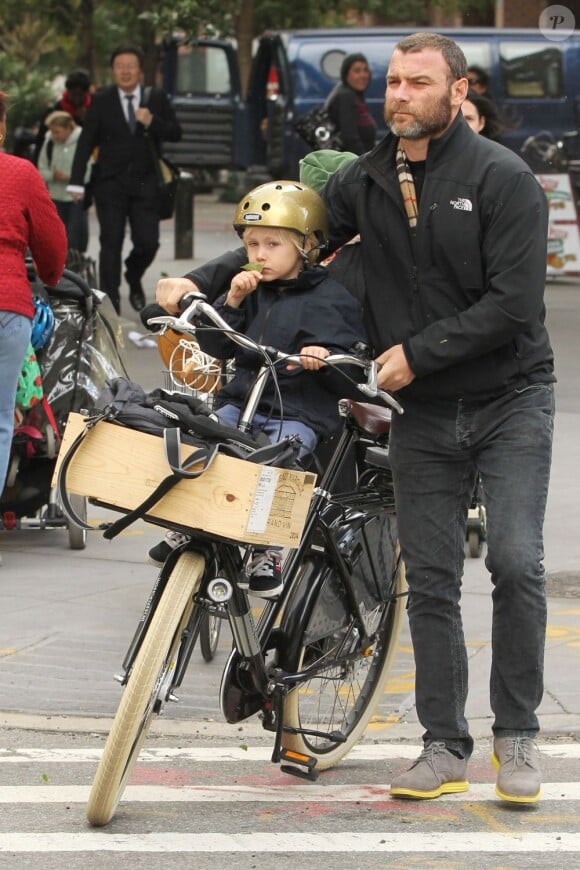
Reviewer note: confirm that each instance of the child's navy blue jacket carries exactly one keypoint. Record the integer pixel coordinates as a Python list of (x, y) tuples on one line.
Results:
[(312, 309)]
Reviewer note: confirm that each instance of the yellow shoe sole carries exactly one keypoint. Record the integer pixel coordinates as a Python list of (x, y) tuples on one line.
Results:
[(513, 798), (444, 788)]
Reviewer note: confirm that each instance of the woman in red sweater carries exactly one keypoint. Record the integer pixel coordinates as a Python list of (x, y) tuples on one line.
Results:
[(28, 220)]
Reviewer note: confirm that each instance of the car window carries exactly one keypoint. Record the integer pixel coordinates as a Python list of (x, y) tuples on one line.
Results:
[(530, 70), (202, 69), (477, 53)]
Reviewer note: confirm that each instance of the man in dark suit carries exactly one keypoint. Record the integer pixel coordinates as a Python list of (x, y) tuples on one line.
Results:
[(125, 126)]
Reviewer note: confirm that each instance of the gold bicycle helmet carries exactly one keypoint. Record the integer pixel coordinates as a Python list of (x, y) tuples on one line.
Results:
[(287, 205)]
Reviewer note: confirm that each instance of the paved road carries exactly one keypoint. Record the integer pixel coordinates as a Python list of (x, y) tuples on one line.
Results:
[(208, 803)]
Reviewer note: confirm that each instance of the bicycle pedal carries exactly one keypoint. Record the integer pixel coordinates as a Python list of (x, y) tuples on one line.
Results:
[(298, 764)]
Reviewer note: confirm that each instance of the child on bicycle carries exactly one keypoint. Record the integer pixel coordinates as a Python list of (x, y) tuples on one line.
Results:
[(282, 298)]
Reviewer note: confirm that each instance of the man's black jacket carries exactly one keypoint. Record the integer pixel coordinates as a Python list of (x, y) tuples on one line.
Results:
[(463, 293)]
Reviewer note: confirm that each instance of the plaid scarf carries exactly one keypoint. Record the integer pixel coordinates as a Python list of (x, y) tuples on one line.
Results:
[(407, 186)]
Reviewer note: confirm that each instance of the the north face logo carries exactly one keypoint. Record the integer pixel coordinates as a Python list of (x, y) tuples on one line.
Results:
[(461, 204)]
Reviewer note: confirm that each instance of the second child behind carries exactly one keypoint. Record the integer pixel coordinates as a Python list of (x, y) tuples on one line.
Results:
[(288, 302)]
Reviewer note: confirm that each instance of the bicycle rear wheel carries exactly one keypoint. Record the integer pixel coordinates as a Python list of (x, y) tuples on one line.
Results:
[(344, 694), (146, 689)]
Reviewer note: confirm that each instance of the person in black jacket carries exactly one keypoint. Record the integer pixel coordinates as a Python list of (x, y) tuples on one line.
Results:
[(286, 301), (126, 125), (481, 114), (453, 231), (347, 107)]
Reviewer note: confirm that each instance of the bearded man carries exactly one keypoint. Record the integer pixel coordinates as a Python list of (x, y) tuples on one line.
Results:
[(453, 234), (453, 231)]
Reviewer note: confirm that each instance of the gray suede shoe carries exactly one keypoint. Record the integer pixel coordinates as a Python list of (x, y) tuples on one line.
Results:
[(437, 771), (517, 760)]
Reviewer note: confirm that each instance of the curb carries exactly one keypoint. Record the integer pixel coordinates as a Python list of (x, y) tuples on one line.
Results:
[(554, 726)]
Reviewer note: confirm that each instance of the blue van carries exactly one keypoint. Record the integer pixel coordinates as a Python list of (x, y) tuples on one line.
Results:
[(534, 81)]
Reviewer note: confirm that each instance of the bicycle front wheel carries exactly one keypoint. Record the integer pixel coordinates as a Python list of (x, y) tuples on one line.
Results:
[(348, 684), (146, 688)]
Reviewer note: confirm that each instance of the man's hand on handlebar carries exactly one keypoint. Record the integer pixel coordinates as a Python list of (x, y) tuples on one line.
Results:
[(170, 292), (395, 372)]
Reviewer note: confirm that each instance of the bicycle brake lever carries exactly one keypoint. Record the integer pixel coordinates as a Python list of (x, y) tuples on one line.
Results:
[(380, 394), (389, 400)]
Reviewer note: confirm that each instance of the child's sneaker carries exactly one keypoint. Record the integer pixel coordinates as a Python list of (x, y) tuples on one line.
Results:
[(265, 574), (159, 553)]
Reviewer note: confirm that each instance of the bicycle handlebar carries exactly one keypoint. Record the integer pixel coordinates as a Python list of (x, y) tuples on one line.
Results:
[(195, 305)]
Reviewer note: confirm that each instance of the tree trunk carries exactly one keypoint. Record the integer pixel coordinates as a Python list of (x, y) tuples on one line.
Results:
[(86, 53), (441, 18), (245, 36)]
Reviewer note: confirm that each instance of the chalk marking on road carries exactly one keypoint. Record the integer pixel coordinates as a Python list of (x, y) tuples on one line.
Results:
[(298, 841), (361, 793), (362, 752)]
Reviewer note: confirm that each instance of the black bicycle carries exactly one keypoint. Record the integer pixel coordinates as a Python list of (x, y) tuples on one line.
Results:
[(315, 664)]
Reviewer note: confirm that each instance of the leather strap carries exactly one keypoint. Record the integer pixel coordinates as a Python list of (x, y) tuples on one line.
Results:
[(61, 487)]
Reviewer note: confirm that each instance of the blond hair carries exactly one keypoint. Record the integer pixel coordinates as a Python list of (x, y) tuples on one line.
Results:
[(60, 119)]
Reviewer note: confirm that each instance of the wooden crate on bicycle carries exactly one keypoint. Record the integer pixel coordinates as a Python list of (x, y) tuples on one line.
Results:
[(118, 468)]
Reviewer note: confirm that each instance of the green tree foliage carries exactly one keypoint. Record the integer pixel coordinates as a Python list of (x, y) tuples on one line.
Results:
[(28, 94)]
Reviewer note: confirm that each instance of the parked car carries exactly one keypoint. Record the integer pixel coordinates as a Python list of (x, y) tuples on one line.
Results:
[(535, 83)]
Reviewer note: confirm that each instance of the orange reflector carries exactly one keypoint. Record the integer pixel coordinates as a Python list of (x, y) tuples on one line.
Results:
[(296, 755)]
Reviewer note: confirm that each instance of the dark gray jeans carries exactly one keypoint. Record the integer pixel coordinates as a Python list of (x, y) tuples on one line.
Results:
[(435, 451)]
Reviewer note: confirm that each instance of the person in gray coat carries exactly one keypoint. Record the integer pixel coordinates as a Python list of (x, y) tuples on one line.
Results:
[(55, 165)]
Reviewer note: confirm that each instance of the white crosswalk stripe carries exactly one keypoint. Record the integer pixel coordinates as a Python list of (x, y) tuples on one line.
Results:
[(362, 752), (299, 841)]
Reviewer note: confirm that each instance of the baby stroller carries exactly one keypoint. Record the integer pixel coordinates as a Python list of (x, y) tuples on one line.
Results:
[(78, 336)]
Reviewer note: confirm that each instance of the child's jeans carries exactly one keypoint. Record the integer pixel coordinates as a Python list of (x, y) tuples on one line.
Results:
[(272, 427)]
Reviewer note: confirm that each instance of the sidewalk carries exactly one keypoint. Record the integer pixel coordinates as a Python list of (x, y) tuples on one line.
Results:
[(213, 233)]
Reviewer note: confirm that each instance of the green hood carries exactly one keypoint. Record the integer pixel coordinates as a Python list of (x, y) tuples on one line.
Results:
[(317, 167)]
